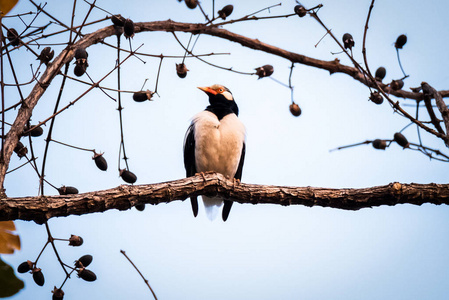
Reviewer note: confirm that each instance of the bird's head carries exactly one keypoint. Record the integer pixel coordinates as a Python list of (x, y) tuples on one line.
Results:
[(220, 97)]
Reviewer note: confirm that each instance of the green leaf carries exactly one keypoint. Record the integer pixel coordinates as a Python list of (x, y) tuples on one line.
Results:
[(9, 283)]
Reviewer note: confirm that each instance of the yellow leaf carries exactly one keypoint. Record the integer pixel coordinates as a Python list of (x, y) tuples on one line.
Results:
[(6, 6), (8, 241)]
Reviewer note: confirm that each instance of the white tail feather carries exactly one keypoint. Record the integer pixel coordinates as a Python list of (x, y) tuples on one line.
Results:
[(212, 206)]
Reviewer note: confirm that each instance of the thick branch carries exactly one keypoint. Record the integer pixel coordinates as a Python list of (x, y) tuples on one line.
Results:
[(124, 197)]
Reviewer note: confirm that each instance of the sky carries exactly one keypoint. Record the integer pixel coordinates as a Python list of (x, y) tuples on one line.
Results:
[(262, 251)]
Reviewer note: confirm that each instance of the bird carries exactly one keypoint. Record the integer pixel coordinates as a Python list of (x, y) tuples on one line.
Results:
[(215, 142)]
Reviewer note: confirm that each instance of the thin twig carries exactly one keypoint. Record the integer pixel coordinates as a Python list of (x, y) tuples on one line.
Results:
[(206, 62), (71, 146), (138, 271)]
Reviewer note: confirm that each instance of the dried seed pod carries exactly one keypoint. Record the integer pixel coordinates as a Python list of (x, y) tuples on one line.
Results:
[(397, 84), (25, 267), (142, 96), (20, 149), (376, 97), (81, 53), (140, 206), (401, 140), (128, 28), (128, 176), (191, 3), (36, 131), (118, 20), (83, 261), (264, 71), (181, 70), (86, 274), (38, 276), (100, 161), (75, 240), (68, 190), (80, 69), (380, 144), (348, 41), (400, 41), (13, 37), (225, 11), (46, 55), (295, 109), (18, 146), (58, 294), (380, 73), (300, 10)]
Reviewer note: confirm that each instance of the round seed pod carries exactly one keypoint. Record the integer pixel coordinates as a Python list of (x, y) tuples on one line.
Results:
[(140, 96), (75, 240), (20, 150), (376, 97), (13, 37), (348, 41), (36, 131), (400, 41), (379, 144), (118, 20), (401, 140), (100, 161), (84, 261), (264, 71), (181, 70), (68, 190), (25, 267), (79, 70), (300, 10), (225, 11), (38, 277), (140, 206), (380, 73), (397, 84), (191, 3), (58, 294), (86, 274), (128, 176), (46, 55), (128, 28), (295, 109), (18, 146), (81, 53)]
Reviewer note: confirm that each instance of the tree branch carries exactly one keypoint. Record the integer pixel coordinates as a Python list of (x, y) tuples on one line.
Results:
[(66, 56), (42, 208)]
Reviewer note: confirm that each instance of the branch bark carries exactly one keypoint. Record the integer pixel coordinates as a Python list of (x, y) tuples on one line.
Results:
[(42, 208)]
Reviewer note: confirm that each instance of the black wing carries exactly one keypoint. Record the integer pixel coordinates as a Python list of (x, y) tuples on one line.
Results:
[(189, 161), (238, 175)]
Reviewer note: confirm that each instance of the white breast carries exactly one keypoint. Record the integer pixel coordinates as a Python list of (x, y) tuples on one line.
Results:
[(218, 144)]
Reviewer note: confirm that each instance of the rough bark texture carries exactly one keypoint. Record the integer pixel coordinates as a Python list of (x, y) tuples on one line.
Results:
[(124, 197)]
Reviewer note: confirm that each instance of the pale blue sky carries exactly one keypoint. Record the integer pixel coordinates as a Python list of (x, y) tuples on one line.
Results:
[(262, 251)]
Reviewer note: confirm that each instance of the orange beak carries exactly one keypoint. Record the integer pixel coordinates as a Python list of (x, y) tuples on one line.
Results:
[(208, 90)]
